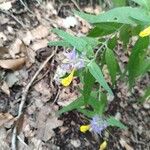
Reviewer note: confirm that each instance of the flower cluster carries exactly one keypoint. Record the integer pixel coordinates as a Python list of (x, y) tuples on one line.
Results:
[(97, 125), (73, 62)]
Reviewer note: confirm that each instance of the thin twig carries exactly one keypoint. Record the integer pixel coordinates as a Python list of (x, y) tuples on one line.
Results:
[(19, 138), (26, 6), (36, 81), (56, 97), (11, 15), (24, 96), (77, 6)]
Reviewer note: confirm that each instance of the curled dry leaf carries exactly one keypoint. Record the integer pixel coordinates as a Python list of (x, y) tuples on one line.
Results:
[(13, 64)]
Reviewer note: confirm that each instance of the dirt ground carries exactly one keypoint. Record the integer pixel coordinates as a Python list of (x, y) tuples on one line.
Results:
[(25, 29)]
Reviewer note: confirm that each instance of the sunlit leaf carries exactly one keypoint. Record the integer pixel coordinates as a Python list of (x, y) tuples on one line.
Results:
[(98, 75), (120, 15), (114, 122), (74, 105), (101, 29)]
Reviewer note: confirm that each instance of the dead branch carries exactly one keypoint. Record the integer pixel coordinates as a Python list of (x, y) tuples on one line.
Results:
[(24, 96)]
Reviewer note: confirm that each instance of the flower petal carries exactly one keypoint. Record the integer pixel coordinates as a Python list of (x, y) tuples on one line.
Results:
[(98, 124), (145, 32), (103, 145), (66, 81), (84, 128)]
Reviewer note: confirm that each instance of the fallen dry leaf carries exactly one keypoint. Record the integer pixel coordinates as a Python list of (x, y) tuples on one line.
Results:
[(5, 117), (13, 64), (46, 122), (11, 79), (15, 48), (66, 97), (35, 34), (125, 144), (50, 7), (39, 44), (5, 6), (43, 88), (3, 36), (27, 38), (5, 88), (30, 56), (40, 32)]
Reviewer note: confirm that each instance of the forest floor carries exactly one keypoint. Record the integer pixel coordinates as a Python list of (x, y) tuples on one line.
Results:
[(24, 34)]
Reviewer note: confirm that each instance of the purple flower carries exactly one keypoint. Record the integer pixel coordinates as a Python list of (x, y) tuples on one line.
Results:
[(98, 124), (73, 60), (71, 55)]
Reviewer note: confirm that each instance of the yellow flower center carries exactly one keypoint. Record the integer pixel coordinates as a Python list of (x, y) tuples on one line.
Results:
[(145, 32), (67, 80), (84, 128)]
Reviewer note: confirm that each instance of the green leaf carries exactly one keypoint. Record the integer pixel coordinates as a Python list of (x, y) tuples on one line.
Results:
[(120, 15), (111, 64), (114, 122), (105, 28), (59, 43), (79, 43), (144, 66), (97, 74), (91, 41), (86, 112), (135, 58), (88, 84), (146, 96), (98, 105), (125, 34), (136, 30), (112, 43), (102, 103), (74, 41), (74, 105), (117, 3)]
